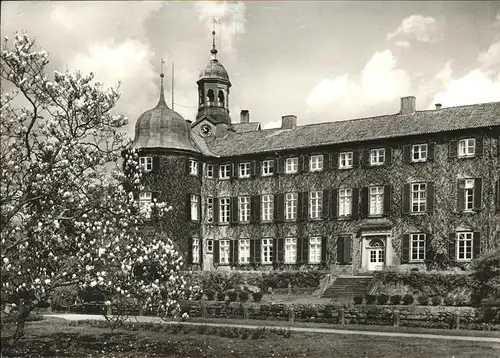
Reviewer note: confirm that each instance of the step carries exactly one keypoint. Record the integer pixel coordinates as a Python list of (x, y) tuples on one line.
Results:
[(346, 286)]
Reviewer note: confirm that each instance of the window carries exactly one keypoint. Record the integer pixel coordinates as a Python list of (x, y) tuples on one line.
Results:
[(466, 147), (419, 153), (224, 171), (376, 200), (224, 210), (210, 210), (267, 207), (316, 163), (290, 250), (244, 208), (145, 199), (146, 163), (469, 195), (417, 247), (193, 167), (196, 250), (418, 197), (244, 170), (210, 246), (377, 156), (267, 251), (291, 206), (291, 165), (346, 160), (224, 252), (345, 202), (464, 246), (194, 207), (314, 250), (267, 167), (244, 251), (210, 171), (315, 204)]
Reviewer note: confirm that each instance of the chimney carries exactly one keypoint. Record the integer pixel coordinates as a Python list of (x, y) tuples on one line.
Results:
[(438, 105), (408, 105), (244, 116), (289, 121)]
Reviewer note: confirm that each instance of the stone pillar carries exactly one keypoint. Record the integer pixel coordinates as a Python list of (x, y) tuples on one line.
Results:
[(203, 308), (341, 315), (291, 314), (246, 312), (396, 318), (456, 320)]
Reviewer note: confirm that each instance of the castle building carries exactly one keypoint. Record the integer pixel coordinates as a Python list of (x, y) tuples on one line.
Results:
[(413, 189)]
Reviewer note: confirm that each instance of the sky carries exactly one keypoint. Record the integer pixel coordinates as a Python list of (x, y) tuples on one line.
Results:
[(321, 61)]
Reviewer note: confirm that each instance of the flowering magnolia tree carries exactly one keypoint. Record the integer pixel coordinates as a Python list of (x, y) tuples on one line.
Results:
[(68, 214)]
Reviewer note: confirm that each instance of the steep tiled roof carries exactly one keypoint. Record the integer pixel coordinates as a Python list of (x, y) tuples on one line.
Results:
[(356, 130), (245, 127)]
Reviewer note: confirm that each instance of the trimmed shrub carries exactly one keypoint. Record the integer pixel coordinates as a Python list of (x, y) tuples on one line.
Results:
[(221, 296), (395, 299), (423, 300), (449, 300), (210, 295), (461, 300), (370, 299), (382, 299), (408, 300), (243, 296), (358, 300), (233, 295), (436, 300), (257, 296)]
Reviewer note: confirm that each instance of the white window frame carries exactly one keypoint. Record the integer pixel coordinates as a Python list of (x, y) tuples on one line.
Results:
[(145, 203), (314, 250), (244, 170), (244, 251), (194, 207), (267, 207), (224, 252), (267, 168), (210, 209), (346, 160), (196, 250), (291, 206), (345, 202), (469, 194), (291, 165), (224, 210), (224, 171), (146, 163), (316, 163), (377, 156), (210, 246), (418, 197), (419, 152), (267, 251), (290, 250), (193, 167), (210, 171), (376, 200), (244, 208), (417, 247), (465, 239), (466, 147), (315, 204)]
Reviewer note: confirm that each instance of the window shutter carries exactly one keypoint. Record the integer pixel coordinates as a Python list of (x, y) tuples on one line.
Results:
[(305, 205), (257, 250), (326, 161), (364, 202), (234, 210), (340, 250), (430, 197), (275, 207), (387, 199), (406, 198), (216, 211), (255, 208), (252, 251), (324, 249), (281, 165), (275, 250), (476, 245), (216, 170), (347, 250), (405, 250), (334, 203), (452, 149), (279, 200), (407, 153), (299, 206), (216, 252), (257, 171), (232, 171), (199, 208), (275, 166), (188, 207), (300, 164), (452, 242), (498, 195), (281, 250), (430, 151), (190, 251), (305, 163), (156, 164), (252, 169), (478, 189), (236, 169), (305, 250), (355, 203), (461, 195), (388, 156), (233, 260), (326, 204), (186, 166), (334, 160), (355, 159), (366, 157), (429, 252), (479, 147)]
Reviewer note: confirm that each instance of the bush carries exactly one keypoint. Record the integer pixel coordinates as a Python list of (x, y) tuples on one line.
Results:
[(221, 296), (244, 296), (408, 300), (370, 299), (461, 300), (210, 295), (436, 300), (449, 300), (487, 278), (233, 295), (257, 296), (395, 299), (358, 300), (382, 299), (423, 300)]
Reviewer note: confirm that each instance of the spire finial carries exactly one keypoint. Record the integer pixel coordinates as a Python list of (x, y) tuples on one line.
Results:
[(162, 95), (213, 51)]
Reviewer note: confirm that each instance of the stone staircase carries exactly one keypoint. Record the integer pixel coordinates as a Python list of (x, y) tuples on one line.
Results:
[(348, 286)]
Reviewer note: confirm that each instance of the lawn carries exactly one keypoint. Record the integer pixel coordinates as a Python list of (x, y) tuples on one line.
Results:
[(56, 338)]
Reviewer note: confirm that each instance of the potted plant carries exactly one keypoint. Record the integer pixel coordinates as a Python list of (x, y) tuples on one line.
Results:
[(210, 295), (221, 296), (244, 296), (358, 300), (382, 299), (233, 295), (257, 296), (408, 300), (396, 299)]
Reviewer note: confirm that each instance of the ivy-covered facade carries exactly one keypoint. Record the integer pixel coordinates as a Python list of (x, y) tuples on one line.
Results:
[(411, 189)]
